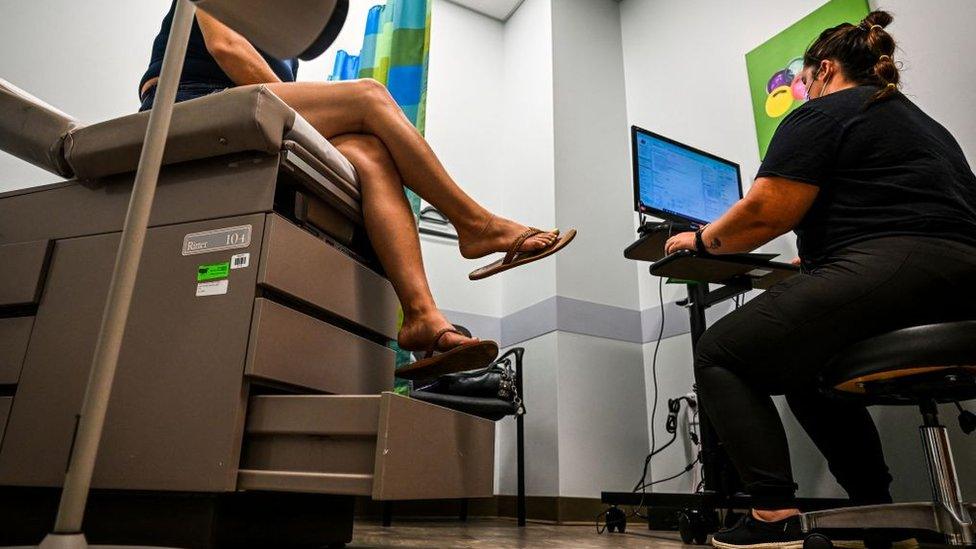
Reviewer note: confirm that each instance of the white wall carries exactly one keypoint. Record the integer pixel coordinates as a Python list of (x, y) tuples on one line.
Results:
[(686, 78), (934, 40), (592, 153), (603, 426), (566, 164), (466, 69), (527, 140), (527, 190), (542, 420), (602, 421)]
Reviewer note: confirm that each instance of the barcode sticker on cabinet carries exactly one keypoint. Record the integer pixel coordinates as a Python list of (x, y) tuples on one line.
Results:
[(240, 261)]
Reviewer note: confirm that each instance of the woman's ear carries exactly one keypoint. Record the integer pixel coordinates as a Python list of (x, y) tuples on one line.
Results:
[(826, 69)]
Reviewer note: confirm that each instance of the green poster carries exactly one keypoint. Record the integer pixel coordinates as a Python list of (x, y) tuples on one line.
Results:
[(774, 66)]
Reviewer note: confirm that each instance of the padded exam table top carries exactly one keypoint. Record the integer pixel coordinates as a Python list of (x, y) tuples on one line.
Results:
[(245, 118)]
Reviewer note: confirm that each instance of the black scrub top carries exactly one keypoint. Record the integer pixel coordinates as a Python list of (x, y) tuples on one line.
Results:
[(884, 168), (199, 66)]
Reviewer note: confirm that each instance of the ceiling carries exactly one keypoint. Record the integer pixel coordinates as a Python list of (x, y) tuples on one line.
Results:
[(496, 9)]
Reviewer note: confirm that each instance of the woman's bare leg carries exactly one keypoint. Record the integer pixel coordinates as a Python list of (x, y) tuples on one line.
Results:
[(393, 234), (366, 107)]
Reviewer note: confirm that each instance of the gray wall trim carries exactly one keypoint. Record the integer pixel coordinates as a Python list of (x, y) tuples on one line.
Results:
[(483, 326), (530, 322), (675, 322), (576, 316), (599, 320)]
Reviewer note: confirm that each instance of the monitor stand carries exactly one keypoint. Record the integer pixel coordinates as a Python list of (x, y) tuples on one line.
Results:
[(672, 227), (653, 236), (650, 245)]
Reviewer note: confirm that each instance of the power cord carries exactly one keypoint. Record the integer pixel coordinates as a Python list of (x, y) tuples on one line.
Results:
[(687, 468), (642, 484), (674, 406), (657, 347), (654, 450), (636, 511), (671, 426)]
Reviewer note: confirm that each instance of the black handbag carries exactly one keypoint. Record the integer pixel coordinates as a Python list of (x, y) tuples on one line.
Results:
[(489, 392), (495, 381)]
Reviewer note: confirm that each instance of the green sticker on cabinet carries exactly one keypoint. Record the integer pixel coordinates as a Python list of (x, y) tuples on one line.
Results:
[(213, 271)]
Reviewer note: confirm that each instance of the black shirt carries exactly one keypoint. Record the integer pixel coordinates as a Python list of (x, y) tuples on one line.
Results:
[(884, 168), (199, 66)]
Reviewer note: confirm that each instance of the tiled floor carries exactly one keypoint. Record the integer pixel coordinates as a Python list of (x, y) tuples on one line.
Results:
[(483, 533)]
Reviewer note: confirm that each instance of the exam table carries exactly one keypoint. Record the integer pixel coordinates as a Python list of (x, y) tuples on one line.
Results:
[(253, 397)]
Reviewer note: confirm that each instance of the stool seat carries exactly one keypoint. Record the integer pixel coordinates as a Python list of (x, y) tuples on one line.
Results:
[(935, 361), (919, 366)]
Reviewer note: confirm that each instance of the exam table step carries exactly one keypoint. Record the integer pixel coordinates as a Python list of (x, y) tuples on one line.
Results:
[(386, 446)]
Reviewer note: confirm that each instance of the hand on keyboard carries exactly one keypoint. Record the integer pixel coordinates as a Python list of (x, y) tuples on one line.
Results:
[(680, 241)]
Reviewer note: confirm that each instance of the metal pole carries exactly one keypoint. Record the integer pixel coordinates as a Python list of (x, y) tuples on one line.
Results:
[(717, 471), (696, 311), (709, 441), (77, 481), (520, 511), (951, 514)]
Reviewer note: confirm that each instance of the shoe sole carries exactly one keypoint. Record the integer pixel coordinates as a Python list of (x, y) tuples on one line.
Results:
[(468, 356), (499, 267), (798, 544)]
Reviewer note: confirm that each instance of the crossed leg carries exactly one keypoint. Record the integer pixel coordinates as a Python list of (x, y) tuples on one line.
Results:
[(393, 234), (365, 107)]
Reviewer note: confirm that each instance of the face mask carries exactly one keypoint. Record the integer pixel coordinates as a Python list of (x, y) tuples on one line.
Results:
[(823, 89)]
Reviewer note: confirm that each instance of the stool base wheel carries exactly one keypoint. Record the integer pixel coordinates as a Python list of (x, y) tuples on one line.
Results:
[(817, 541)]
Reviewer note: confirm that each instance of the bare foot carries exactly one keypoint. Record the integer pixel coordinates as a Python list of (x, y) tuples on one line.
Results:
[(774, 515), (418, 333), (497, 235)]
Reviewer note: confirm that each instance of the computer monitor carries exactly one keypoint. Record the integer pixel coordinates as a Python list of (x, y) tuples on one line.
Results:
[(680, 183)]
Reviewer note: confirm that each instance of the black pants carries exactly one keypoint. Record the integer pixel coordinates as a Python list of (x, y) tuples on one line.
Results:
[(184, 92), (777, 343)]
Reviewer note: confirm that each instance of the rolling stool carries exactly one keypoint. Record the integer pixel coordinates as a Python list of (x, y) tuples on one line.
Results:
[(920, 366)]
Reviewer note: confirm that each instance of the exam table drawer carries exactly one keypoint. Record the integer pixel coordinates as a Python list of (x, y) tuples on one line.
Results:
[(14, 336), (306, 268), (290, 347), (386, 446), (22, 274), (312, 211)]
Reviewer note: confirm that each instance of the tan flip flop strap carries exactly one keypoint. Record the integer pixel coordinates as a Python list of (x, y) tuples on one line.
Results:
[(437, 338), (514, 250)]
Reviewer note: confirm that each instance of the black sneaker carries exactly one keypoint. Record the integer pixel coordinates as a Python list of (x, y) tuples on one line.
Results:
[(753, 533)]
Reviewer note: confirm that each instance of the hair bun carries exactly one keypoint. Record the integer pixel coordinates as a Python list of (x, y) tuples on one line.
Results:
[(879, 17)]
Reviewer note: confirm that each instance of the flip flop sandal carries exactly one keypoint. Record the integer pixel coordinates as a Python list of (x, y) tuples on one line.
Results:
[(467, 356), (515, 258)]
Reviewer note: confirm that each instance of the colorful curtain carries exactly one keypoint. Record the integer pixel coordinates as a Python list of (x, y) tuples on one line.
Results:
[(395, 52)]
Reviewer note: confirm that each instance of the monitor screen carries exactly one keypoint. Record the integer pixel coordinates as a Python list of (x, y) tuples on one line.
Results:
[(680, 183)]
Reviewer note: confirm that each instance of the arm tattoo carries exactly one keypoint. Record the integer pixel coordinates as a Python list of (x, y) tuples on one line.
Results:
[(714, 243)]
